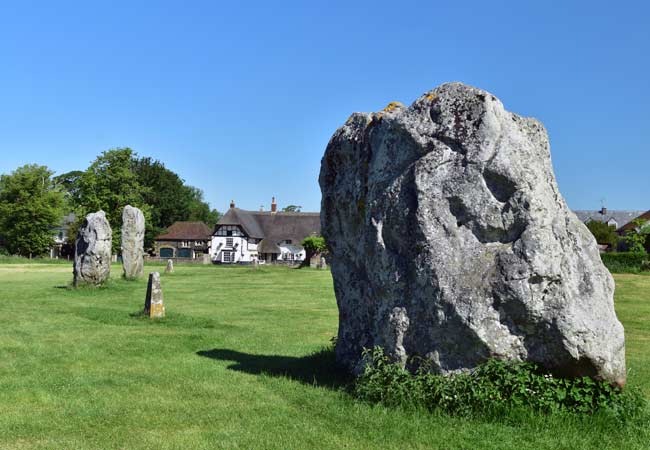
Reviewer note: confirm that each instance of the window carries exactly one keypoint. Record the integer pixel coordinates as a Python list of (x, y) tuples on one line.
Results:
[(229, 230), (198, 243), (229, 242), (288, 241), (226, 257), (185, 243)]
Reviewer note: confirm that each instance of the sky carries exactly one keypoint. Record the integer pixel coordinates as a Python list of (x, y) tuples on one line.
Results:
[(241, 98)]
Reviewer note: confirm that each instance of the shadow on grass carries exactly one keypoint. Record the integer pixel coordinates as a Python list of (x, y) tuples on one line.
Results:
[(318, 369)]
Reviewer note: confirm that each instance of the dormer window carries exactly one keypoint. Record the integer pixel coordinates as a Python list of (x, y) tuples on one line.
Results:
[(229, 230)]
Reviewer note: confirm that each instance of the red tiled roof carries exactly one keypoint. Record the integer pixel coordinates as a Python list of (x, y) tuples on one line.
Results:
[(190, 231)]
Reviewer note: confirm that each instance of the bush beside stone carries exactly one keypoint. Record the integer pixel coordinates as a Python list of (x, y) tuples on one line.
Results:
[(625, 262)]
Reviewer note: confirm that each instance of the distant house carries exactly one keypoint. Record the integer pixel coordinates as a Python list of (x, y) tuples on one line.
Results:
[(188, 240), (243, 236), (617, 219), (61, 236), (631, 226)]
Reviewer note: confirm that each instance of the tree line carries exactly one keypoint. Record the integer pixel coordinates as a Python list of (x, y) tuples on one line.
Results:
[(33, 201)]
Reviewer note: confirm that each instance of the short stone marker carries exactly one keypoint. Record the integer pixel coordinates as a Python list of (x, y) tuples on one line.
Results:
[(170, 266), (153, 304), (92, 253), (132, 242)]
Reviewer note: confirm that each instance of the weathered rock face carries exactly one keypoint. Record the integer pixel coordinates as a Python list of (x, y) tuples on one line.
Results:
[(153, 303), (92, 253), (132, 242), (450, 241)]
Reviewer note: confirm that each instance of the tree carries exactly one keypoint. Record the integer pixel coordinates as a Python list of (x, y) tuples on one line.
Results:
[(199, 210), (638, 238), (70, 183), (31, 205), (312, 246), (109, 184), (292, 208), (604, 234)]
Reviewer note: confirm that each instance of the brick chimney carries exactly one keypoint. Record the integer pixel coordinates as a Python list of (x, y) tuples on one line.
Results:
[(274, 206), (232, 203)]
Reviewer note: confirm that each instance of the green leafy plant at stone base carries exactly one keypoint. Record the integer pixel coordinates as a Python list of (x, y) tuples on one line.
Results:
[(492, 389)]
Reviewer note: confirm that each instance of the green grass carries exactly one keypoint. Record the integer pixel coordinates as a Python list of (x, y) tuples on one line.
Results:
[(237, 363)]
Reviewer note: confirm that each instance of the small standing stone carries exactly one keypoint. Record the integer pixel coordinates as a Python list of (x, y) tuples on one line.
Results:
[(153, 304), (170, 266), (132, 242), (323, 263), (92, 253)]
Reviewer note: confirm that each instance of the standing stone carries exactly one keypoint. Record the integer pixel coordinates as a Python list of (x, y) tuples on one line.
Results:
[(449, 240), (92, 253), (132, 242), (170, 266), (323, 263), (153, 304)]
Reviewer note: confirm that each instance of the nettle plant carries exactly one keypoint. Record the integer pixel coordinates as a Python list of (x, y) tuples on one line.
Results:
[(493, 388)]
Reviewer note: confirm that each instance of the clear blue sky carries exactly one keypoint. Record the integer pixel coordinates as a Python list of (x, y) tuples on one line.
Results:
[(241, 98)]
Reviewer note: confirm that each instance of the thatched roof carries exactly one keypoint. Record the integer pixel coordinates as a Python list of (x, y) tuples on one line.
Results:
[(268, 246), (274, 226)]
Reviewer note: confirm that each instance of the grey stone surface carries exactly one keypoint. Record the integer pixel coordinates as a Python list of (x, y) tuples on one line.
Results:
[(92, 254), (132, 242), (170, 266), (153, 303), (450, 241)]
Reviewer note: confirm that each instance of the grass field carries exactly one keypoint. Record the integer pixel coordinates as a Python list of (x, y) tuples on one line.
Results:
[(236, 364)]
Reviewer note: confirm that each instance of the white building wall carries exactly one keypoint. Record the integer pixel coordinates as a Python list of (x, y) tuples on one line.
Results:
[(244, 250), (291, 252), (241, 249)]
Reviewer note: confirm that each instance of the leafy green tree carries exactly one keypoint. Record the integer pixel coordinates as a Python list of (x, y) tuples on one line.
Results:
[(312, 246), (604, 234), (292, 208), (31, 205), (637, 239), (70, 182), (199, 210), (165, 193), (170, 199), (109, 184)]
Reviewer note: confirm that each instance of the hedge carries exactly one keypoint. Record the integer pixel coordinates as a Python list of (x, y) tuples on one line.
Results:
[(624, 262)]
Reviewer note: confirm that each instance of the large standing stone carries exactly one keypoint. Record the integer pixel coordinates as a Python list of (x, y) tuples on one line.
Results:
[(132, 242), (153, 304), (450, 241), (170, 266), (92, 253)]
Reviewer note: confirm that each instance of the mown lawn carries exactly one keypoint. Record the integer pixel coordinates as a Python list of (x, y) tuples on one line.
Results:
[(234, 365)]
